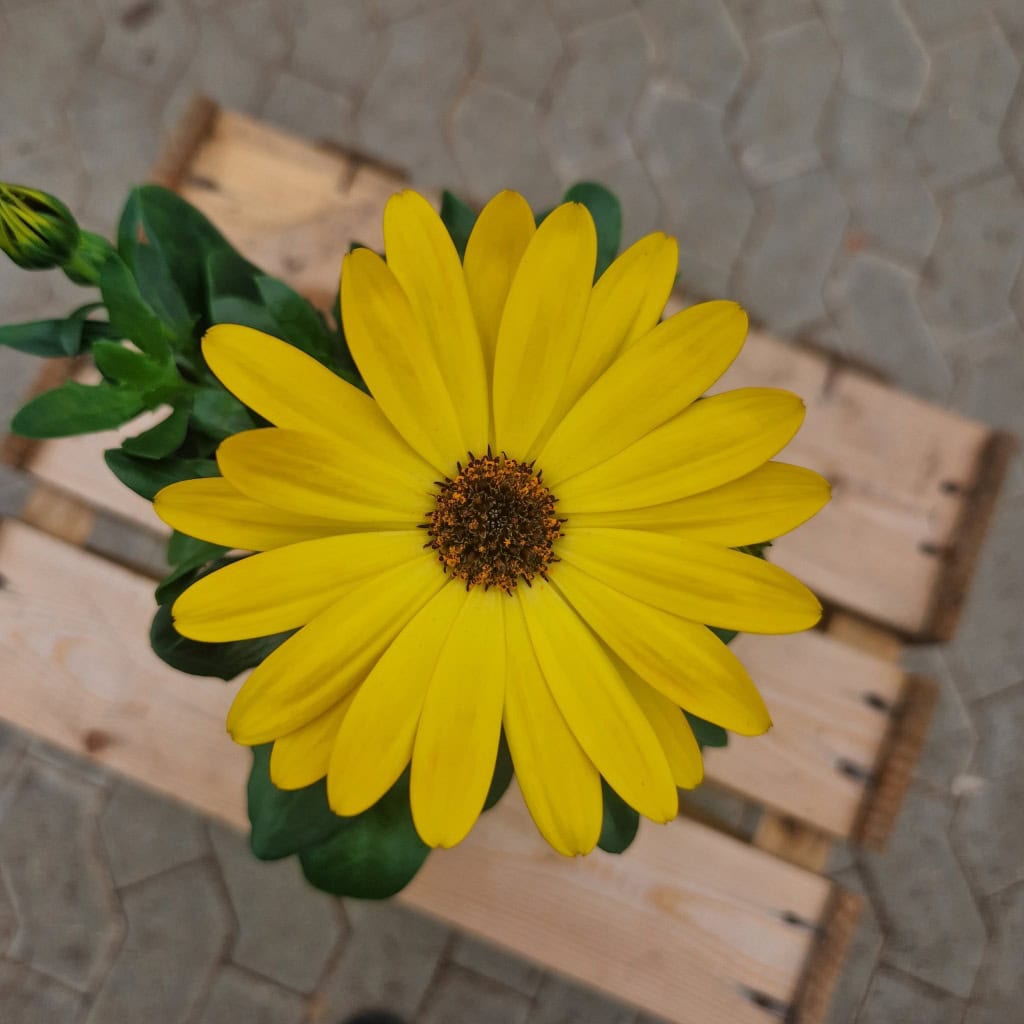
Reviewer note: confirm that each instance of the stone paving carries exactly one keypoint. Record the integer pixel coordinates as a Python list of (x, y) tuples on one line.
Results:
[(851, 170)]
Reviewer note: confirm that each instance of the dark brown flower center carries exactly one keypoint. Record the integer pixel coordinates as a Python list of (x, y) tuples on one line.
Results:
[(494, 524)]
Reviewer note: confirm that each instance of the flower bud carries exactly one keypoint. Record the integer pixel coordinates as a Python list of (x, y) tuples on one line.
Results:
[(37, 230)]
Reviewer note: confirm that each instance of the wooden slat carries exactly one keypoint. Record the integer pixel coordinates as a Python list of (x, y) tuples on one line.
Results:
[(692, 925)]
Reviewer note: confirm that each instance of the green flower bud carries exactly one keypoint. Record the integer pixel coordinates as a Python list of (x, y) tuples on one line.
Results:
[(88, 258), (37, 230)]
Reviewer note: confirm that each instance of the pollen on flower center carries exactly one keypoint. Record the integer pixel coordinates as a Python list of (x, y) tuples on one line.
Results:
[(494, 524)]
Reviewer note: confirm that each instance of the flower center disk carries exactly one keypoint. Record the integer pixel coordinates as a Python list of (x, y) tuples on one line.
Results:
[(494, 524)]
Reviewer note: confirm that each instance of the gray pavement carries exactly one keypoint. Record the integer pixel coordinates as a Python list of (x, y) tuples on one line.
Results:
[(851, 170)]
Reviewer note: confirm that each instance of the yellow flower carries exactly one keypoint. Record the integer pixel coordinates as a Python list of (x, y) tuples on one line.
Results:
[(541, 433)]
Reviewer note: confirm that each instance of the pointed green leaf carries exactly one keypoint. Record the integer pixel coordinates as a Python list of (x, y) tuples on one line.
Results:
[(371, 856), (620, 823), (75, 408), (161, 440), (458, 218), (218, 414), (132, 317), (502, 774), (708, 734), (148, 476), (54, 338)]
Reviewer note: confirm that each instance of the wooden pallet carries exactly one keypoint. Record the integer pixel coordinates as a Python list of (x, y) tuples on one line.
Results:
[(692, 924)]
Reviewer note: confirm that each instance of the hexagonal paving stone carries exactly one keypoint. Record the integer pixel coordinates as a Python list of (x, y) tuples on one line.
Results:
[(937, 18), (883, 59), (519, 46), (389, 960), (590, 108), (955, 134), (287, 930), (30, 998), (148, 41), (778, 116), (462, 997), (976, 257), (497, 146), (403, 114), (341, 46), (238, 997), (874, 305), (68, 923), (861, 957), (1000, 989), (704, 198), (178, 927), (698, 47), (310, 110), (890, 205), (893, 997), (561, 1002), (783, 268), (497, 964), (988, 830), (938, 940), (986, 653), (756, 18), (571, 14)]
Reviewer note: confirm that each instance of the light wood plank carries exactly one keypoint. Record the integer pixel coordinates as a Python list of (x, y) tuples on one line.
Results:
[(685, 926)]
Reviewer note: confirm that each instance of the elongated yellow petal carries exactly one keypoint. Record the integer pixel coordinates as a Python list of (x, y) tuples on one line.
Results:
[(212, 510), (493, 254), (671, 727), (287, 587), (626, 303), (772, 500), (422, 257), (292, 390), (376, 739), (559, 783), (313, 670), (541, 326), (397, 360), (330, 477), (701, 582), (670, 367), (715, 440), (603, 715), (683, 660), (301, 757), (457, 737)]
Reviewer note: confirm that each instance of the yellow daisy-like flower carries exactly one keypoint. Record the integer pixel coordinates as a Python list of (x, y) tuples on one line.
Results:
[(580, 509)]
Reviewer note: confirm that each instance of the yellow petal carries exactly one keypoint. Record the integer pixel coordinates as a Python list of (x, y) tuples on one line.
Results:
[(292, 390), (375, 742), (625, 305), (772, 500), (671, 727), (316, 668), (697, 581), (397, 360), (493, 253), (559, 783), (287, 587), (211, 509), (457, 737), (331, 477), (647, 386), (683, 660), (422, 257), (715, 440), (541, 326), (603, 715), (301, 757)]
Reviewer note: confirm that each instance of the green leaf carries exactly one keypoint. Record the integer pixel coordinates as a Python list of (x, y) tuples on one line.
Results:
[(75, 408), (131, 316), (502, 774), (725, 635), (182, 235), (53, 338), (620, 823), (218, 414), (191, 559), (607, 214), (161, 440), (285, 821), (157, 287), (458, 218), (371, 856), (232, 295), (72, 331), (185, 550), (708, 734), (222, 660), (125, 365), (298, 322), (148, 476)]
